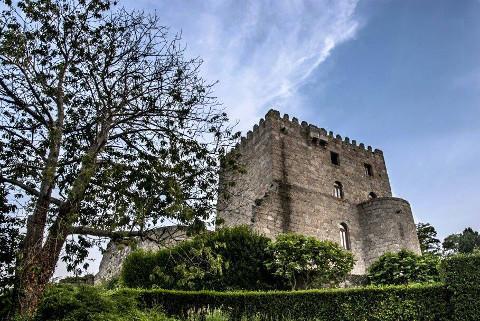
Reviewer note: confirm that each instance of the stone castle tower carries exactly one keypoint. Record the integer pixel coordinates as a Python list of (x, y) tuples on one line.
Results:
[(299, 178)]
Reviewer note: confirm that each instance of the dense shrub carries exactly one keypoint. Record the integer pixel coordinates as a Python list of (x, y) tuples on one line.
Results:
[(74, 303), (461, 274), (138, 267), (404, 267), (393, 303), (389, 303), (87, 303), (304, 261), (229, 258), (458, 299)]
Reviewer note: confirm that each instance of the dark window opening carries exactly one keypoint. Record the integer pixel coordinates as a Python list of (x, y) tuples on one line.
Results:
[(400, 229), (372, 195), (368, 170), (344, 236), (335, 158), (338, 190)]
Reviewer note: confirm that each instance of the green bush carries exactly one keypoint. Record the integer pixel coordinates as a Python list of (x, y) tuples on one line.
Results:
[(229, 258), (458, 299), (304, 261), (461, 271), (138, 267), (389, 303), (404, 267), (461, 274), (88, 303), (73, 303)]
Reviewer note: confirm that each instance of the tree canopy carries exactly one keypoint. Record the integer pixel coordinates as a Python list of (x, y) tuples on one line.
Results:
[(304, 261), (427, 236), (404, 267), (466, 242), (107, 129)]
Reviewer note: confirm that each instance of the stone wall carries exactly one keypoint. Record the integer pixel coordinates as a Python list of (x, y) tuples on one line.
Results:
[(388, 226), (116, 252), (300, 158), (289, 181), (235, 201), (285, 184)]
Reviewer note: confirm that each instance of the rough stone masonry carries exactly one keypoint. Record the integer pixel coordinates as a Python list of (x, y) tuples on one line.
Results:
[(299, 178)]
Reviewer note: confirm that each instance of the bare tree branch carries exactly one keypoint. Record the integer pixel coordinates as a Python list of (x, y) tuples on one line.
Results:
[(29, 189)]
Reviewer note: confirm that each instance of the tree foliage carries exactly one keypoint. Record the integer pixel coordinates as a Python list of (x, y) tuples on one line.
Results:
[(10, 238), (229, 258), (466, 242), (404, 267), (106, 130), (427, 236), (304, 261)]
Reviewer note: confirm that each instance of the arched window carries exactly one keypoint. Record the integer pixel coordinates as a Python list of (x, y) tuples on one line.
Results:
[(368, 169), (338, 190), (372, 195), (344, 236)]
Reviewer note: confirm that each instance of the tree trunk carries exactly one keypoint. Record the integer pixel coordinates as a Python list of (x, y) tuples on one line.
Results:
[(40, 257), (35, 272), (35, 266)]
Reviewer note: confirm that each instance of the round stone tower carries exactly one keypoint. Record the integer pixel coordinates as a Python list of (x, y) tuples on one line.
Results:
[(388, 226)]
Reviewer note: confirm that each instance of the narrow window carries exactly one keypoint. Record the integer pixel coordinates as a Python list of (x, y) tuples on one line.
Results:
[(344, 236), (335, 158), (372, 195), (338, 190), (368, 170)]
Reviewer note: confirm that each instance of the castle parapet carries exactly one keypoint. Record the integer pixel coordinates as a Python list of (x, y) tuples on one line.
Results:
[(312, 131)]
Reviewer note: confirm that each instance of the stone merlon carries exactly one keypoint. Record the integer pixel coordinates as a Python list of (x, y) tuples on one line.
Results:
[(302, 178)]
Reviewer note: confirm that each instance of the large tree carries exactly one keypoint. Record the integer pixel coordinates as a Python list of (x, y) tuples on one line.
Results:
[(427, 236), (466, 242), (106, 128)]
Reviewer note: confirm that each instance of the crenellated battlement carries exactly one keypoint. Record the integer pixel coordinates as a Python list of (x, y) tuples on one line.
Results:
[(297, 177), (311, 130), (289, 176)]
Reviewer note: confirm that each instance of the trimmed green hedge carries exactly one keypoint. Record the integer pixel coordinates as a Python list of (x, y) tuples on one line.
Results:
[(392, 303), (461, 274), (457, 299), (461, 271)]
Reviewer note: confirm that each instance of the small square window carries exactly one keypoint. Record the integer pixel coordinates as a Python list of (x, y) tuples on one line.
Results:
[(335, 158), (368, 170)]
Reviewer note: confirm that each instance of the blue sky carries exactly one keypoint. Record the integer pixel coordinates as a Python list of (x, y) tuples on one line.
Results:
[(402, 76)]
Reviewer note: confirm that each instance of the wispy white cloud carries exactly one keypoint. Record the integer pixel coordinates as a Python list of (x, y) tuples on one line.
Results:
[(260, 51)]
